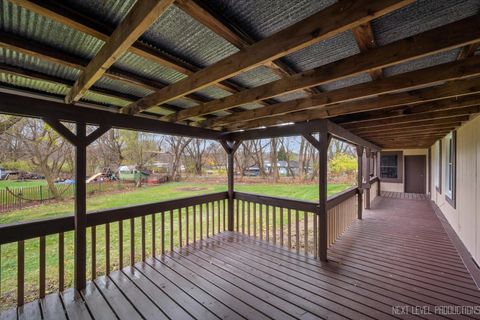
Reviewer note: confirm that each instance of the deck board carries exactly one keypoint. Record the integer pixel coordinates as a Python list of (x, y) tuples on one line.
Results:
[(398, 255)]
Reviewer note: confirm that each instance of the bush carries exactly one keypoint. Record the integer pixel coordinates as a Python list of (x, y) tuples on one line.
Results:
[(343, 163)]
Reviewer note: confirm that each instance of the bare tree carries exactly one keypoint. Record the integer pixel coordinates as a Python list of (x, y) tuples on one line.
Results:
[(176, 146), (196, 150)]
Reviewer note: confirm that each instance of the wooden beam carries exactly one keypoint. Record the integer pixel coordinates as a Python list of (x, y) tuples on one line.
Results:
[(408, 127), (450, 89), (468, 51), (138, 20), (437, 40), (428, 76), (417, 123), (60, 13), (344, 134), (416, 117), (365, 40), (333, 20), (14, 104), (409, 133), (438, 105)]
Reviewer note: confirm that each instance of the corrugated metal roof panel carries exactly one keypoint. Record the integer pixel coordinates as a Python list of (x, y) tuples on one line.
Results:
[(336, 48), (29, 25), (421, 16), (187, 38), (103, 99), (110, 11), (183, 103), (425, 62), (291, 96), (213, 93), (148, 69), (159, 111), (18, 59), (37, 85), (251, 106), (120, 86), (361, 78), (256, 77), (265, 17)]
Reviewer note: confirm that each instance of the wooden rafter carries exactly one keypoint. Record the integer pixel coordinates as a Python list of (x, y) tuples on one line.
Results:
[(56, 11), (450, 89), (417, 123), (410, 127), (334, 19), (444, 38), (428, 76), (366, 41), (138, 20), (215, 21)]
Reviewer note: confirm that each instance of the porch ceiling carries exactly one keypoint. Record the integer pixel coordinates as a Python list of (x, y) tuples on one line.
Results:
[(398, 73)]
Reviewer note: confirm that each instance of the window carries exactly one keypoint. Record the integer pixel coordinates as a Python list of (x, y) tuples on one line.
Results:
[(391, 166), (450, 157), (438, 161)]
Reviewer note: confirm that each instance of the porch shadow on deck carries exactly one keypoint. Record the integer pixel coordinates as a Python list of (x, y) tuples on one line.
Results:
[(399, 255)]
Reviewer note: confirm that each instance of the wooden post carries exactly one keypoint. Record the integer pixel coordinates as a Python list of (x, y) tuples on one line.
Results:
[(368, 155), (377, 165), (230, 148), (80, 207), (322, 146), (360, 180)]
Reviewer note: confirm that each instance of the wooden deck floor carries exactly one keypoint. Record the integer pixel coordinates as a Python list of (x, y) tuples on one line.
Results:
[(404, 195), (399, 255)]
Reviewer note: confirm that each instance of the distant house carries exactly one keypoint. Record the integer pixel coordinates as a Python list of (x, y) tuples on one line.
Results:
[(131, 173), (284, 168)]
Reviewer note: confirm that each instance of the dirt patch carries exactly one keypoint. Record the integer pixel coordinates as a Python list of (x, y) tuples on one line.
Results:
[(191, 189)]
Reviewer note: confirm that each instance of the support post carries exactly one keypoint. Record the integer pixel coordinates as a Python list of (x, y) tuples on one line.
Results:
[(81, 141), (230, 148), (360, 181), (368, 157), (80, 208), (377, 164), (322, 146)]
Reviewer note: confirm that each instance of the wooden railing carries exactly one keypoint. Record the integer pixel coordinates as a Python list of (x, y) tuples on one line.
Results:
[(293, 223), (42, 251), (37, 257)]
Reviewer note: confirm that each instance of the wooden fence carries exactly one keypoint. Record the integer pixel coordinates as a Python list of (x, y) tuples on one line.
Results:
[(15, 198)]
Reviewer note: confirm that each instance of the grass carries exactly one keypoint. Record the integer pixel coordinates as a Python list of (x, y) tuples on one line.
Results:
[(16, 184), (163, 192)]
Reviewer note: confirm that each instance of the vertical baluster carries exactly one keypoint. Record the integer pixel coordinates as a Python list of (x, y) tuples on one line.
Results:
[(248, 218), (238, 215), (107, 248), (282, 211), (213, 217), (171, 231), (224, 207), (162, 220), (207, 213), (154, 238), (132, 241), (315, 235), (187, 227), (289, 228), (142, 228), (20, 272), (255, 219), (201, 221), (61, 261), (261, 221), (120, 245), (243, 217), (218, 214), (194, 224), (267, 222), (0, 270), (297, 231), (305, 231), (180, 242), (42, 268), (274, 224), (94, 252)]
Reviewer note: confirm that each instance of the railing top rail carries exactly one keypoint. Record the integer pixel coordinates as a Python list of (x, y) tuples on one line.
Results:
[(33, 229), (295, 204)]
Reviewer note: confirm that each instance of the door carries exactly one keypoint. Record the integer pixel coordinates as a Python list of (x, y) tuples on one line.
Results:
[(415, 173)]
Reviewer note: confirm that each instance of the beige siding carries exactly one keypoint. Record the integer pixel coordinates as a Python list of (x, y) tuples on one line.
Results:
[(465, 218)]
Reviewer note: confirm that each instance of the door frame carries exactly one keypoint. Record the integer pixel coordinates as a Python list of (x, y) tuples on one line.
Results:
[(424, 181)]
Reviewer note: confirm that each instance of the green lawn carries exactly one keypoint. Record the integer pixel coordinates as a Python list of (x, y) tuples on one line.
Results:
[(144, 195), (15, 184)]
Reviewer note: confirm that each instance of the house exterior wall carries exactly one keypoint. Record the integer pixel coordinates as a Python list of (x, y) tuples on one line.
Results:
[(465, 216), (399, 186)]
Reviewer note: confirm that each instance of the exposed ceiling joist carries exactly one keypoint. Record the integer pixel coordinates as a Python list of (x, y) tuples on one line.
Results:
[(333, 20), (409, 126), (406, 124), (365, 40), (138, 20), (428, 76), (444, 38), (450, 89)]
